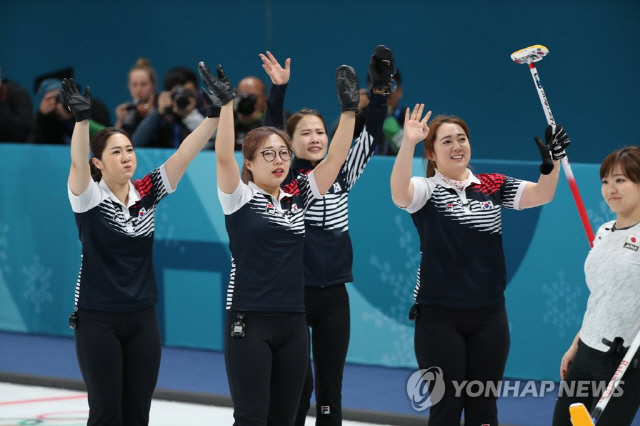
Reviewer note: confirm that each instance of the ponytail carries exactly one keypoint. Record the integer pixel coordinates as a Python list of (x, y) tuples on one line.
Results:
[(246, 174), (431, 168), (96, 173)]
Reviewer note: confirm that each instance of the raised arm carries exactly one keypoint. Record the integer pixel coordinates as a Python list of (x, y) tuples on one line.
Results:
[(415, 130), (543, 191), (222, 94), (80, 106), (274, 115), (381, 68), (177, 164), (349, 96)]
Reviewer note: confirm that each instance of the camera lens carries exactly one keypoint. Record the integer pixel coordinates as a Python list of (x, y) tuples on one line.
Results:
[(182, 101), (133, 104), (246, 104), (182, 97)]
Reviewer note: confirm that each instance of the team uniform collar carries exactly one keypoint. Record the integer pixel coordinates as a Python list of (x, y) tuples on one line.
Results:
[(302, 164), (447, 183), (281, 195), (134, 197)]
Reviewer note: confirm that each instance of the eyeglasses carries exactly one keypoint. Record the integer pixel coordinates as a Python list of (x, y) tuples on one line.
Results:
[(269, 154)]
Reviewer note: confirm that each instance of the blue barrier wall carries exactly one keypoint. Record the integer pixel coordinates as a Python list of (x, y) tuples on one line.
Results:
[(454, 55), (40, 256)]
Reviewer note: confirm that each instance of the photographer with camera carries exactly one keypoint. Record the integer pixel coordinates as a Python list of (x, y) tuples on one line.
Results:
[(142, 87), (54, 123), (175, 116), (249, 107)]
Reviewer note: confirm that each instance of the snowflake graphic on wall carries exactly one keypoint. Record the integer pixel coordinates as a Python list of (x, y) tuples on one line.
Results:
[(600, 217), (37, 284), (396, 277), (165, 231), (402, 350), (564, 305), (4, 248), (398, 280)]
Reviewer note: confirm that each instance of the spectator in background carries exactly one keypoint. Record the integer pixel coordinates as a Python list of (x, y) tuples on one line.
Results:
[(175, 115), (16, 116), (54, 123), (142, 87), (250, 107)]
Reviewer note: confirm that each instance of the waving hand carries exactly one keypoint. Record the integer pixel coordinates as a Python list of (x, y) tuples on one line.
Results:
[(415, 128), (277, 74)]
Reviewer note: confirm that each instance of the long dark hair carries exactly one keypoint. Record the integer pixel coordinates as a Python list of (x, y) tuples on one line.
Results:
[(430, 140), (97, 145), (629, 160), (252, 143)]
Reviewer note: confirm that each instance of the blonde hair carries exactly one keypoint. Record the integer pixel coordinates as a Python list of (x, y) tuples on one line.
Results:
[(145, 65)]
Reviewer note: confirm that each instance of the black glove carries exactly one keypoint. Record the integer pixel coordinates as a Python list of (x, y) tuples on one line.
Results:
[(213, 102), (212, 110), (78, 104), (381, 69), (219, 87), (558, 141), (347, 87), (545, 151)]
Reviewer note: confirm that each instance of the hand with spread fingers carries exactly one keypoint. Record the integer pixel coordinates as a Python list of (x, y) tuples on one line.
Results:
[(415, 127), (79, 105), (558, 141), (213, 102), (275, 71), (348, 88), (219, 87)]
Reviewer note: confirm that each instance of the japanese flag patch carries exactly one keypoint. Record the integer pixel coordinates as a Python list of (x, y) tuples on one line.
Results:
[(632, 242)]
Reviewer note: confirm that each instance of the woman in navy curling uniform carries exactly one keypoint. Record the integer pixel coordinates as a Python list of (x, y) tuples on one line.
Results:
[(461, 323), (266, 337), (116, 330), (328, 255)]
